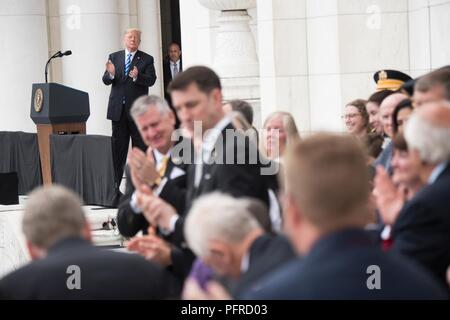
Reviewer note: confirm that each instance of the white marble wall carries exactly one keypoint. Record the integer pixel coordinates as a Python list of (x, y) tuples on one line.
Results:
[(429, 44), (23, 53)]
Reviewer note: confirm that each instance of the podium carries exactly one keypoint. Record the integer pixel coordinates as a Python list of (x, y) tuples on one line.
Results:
[(56, 109)]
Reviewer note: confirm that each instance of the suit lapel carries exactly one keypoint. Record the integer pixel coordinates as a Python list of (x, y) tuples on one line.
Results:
[(136, 59)]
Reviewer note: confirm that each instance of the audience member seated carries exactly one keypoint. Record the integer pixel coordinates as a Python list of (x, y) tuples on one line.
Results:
[(422, 228), (159, 167), (401, 114), (240, 106), (279, 130), (340, 259), (67, 266), (373, 109), (392, 193), (356, 118), (386, 109), (226, 236)]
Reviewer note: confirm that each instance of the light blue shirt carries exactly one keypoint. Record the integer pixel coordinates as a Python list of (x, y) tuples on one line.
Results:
[(437, 172)]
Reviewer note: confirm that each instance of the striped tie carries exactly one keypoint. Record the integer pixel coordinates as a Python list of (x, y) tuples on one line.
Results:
[(127, 64)]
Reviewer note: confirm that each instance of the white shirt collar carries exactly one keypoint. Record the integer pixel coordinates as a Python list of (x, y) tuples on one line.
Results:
[(245, 263), (177, 63), (437, 172), (159, 156), (132, 54)]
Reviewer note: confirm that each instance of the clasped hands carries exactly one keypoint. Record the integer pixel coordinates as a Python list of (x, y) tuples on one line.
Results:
[(112, 70), (143, 175), (152, 247)]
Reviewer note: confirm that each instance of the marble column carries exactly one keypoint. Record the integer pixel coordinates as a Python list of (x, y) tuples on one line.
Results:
[(149, 21), (235, 57), (92, 30), (283, 55), (23, 47)]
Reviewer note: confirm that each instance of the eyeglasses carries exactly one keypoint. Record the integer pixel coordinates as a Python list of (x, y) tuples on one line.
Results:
[(350, 116)]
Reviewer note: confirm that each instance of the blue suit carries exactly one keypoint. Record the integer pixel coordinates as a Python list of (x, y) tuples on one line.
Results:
[(337, 268)]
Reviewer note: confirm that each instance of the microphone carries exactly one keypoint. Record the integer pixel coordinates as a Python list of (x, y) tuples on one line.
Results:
[(58, 54), (66, 53)]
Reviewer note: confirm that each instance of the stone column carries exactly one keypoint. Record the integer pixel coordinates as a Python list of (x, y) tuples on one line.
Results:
[(235, 57), (23, 47), (92, 30), (149, 21)]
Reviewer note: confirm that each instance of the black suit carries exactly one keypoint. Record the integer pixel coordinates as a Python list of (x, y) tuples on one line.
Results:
[(167, 73), (237, 180), (267, 253), (336, 268), (104, 274), (124, 92), (173, 192), (422, 229)]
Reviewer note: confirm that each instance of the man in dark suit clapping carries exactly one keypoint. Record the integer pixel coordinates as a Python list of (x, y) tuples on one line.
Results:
[(130, 73)]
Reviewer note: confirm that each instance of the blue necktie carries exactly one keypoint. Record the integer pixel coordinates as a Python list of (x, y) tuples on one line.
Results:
[(127, 64)]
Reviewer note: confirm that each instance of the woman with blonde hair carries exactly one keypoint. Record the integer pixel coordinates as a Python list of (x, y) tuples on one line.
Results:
[(279, 130)]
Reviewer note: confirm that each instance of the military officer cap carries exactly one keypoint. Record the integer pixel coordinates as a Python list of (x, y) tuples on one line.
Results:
[(390, 79)]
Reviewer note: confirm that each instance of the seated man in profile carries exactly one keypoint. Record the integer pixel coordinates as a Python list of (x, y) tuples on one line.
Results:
[(67, 266)]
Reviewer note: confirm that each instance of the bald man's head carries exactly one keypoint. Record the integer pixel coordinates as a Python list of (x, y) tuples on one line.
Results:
[(387, 108)]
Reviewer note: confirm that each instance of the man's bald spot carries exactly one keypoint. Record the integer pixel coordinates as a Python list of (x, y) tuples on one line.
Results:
[(393, 100)]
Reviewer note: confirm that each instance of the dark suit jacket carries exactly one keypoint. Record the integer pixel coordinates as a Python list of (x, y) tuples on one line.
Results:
[(238, 180), (167, 72), (173, 192), (267, 253), (336, 268), (123, 85), (104, 274), (422, 229)]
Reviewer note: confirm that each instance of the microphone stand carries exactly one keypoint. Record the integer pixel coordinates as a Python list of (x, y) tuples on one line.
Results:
[(48, 62)]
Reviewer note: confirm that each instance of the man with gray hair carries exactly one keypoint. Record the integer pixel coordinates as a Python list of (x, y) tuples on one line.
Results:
[(422, 228), (67, 266), (159, 168), (227, 235)]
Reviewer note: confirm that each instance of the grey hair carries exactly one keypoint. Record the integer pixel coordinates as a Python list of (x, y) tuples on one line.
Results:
[(52, 213), (218, 216), (432, 142), (143, 103)]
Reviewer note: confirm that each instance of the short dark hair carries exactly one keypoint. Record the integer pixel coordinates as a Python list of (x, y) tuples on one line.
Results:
[(439, 77), (379, 96), (399, 142), (205, 79), (404, 104), (244, 108)]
